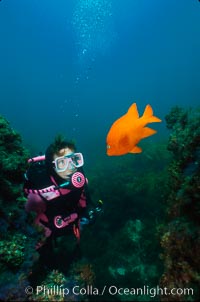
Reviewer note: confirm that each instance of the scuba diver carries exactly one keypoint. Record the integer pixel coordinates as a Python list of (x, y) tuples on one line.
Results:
[(57, 191)]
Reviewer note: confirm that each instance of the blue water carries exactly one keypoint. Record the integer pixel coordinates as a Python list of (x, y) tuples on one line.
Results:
[(74, 66)]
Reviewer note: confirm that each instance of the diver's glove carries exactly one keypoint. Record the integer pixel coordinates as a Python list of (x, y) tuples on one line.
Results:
[(92, 214)]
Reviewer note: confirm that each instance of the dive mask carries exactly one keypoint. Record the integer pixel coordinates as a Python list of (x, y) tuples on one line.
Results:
[(68, 161)]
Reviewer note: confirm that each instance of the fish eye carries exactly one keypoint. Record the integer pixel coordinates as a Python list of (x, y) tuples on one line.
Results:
[(108, 146)]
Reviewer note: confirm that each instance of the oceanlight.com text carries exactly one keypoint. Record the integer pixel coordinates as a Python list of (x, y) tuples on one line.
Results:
[(112, 290), (151, 291)]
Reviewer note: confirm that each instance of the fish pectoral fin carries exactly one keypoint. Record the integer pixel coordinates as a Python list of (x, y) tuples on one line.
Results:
[(136, 149), (147, 132)]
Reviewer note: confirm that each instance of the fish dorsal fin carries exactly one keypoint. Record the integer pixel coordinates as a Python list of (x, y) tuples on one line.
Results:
[(147, 132), (136, 149), (133, 112)]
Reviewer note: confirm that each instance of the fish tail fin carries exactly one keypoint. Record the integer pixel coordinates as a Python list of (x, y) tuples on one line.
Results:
[(148, 115), (147, 132)]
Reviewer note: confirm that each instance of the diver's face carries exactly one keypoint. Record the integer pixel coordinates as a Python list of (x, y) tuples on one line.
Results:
[(70, 169)]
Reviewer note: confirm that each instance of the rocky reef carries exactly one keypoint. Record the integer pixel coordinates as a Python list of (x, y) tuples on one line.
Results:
[(16, 244), (181, 237), (147, 235)]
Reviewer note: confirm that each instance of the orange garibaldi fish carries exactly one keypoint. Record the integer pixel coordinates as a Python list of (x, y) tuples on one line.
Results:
[(126, 132)]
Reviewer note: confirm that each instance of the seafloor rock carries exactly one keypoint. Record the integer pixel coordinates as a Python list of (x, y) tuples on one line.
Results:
[(181, 238), (16, 244)]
